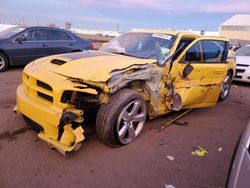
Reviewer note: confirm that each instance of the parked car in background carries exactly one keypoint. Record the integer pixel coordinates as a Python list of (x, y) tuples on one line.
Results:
[(239, 172), (143, 73), (243, 64), (19, 45)]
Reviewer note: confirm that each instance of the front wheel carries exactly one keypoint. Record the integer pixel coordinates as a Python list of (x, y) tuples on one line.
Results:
[(225, 88), (3, 62), (121, 120)]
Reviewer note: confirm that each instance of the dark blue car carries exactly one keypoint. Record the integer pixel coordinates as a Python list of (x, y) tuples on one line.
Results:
[(19, 46)]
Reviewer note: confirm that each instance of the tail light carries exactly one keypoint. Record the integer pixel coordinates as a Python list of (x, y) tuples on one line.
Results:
[(91, 46)]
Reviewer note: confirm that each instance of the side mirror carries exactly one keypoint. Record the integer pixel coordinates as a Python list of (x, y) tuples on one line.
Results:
[(20, 39), (187, 70)]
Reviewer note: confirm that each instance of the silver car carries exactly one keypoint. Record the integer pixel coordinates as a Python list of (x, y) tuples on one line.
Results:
[(243, 64), (240, 169)]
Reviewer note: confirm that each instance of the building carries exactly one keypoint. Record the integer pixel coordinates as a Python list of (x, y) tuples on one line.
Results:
[(236, 27)]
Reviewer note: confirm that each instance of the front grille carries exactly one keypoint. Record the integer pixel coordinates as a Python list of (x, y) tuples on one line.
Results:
[(242, 65), (37, 89), (240, 71), (44, 85), (44, 96), (238, 76)]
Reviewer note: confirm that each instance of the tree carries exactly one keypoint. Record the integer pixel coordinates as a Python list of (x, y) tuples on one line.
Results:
[(53, 25), (68, 25)]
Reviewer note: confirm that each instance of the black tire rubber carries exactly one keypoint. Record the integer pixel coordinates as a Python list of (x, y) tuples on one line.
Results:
[(6, 62), (221, 98), (108, 113)]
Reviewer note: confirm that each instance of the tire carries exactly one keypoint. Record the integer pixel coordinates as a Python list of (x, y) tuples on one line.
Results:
[(3, 62), (225, 88), (121, 121)]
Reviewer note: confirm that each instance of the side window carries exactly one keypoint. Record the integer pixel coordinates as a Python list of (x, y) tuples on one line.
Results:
[(186, 42), (35, 35), (194, 53), (59, 35), (213, 51)]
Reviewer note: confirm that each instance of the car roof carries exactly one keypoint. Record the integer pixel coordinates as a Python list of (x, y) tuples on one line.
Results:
[(43, 27), (176, 32)]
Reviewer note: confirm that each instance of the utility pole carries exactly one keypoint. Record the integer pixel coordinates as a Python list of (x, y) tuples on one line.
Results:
[(117, 27)]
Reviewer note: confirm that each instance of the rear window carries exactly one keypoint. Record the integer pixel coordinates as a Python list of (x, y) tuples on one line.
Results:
[(243, 51), (58, 35)]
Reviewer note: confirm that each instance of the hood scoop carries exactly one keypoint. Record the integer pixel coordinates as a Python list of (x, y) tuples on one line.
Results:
[(58, 61)]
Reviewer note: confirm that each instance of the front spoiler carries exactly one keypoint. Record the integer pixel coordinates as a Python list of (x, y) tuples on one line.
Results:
[(78, 134), (60, 136)]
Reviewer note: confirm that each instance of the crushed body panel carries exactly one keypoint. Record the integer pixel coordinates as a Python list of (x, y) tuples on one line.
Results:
[(57, 91)]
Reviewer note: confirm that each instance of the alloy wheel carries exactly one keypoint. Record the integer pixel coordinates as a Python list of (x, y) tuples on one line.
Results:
[(131, 121)]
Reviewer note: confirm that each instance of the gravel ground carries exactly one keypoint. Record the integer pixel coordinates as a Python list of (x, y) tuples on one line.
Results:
[(26, 161)]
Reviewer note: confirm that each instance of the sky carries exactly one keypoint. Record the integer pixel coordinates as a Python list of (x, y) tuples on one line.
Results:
[(124, 14)]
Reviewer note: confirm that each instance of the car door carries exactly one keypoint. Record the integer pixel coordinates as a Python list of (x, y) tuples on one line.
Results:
[(31, 46), (60, 42), (198, 73)]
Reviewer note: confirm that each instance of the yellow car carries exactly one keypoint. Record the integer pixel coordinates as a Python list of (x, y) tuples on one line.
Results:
[(142, 73)]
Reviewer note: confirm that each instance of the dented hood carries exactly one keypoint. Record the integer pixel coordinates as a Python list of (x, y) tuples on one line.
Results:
[(92, 65)]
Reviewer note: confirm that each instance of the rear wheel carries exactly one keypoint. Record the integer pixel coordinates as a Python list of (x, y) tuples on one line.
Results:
[(225, 88), (121, 120), (3, 62)]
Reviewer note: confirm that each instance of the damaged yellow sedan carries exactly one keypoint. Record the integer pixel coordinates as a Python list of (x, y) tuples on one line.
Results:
[(140, 74)]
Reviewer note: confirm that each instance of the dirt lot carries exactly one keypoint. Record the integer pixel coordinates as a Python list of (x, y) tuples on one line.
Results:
[(26, 161), (97, 40)]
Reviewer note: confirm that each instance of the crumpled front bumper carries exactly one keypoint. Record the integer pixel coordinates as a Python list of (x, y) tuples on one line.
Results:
[(55, 122)]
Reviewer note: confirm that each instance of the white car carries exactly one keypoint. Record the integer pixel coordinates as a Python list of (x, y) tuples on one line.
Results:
[(243, 64), (239, 171)]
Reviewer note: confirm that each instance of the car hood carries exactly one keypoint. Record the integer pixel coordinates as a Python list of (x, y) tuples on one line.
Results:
[(93, 66), (245, 60)]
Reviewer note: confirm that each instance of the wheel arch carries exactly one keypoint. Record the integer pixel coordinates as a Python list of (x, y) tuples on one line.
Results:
[(232, 72), (6, 55), (138, 86)]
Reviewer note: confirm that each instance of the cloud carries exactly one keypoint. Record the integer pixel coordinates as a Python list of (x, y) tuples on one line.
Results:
[(219, 6), (230, 6), (137, 4), (100, 19)]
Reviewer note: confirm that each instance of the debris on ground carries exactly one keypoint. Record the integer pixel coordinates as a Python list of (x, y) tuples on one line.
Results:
[(169, 186), (234, 86), (185, 123), (170, 158), (199, 152), (220, 149), (169, 120)]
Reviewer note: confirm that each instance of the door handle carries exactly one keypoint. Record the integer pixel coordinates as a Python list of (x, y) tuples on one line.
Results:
[(45, 45)]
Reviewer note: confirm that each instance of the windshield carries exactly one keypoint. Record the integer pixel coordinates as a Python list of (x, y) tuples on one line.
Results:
[(10, 32), (244, 51), (142, 45)]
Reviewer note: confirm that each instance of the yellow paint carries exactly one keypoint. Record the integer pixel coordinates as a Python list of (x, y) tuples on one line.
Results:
[(98, 76), (199, 152)]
